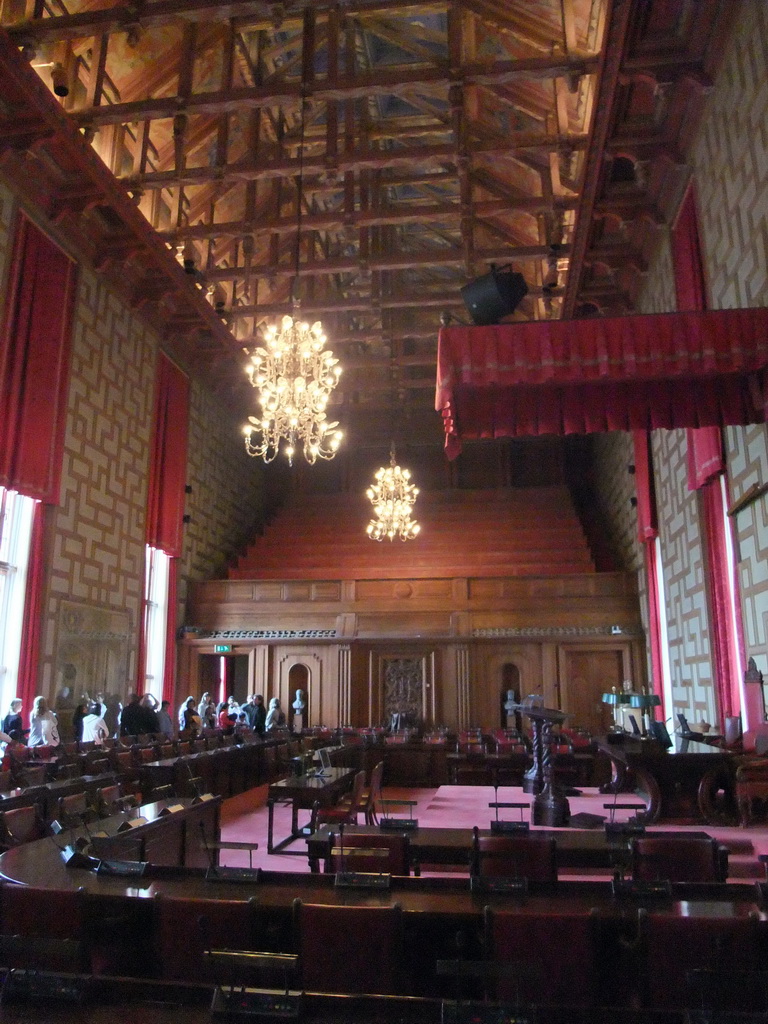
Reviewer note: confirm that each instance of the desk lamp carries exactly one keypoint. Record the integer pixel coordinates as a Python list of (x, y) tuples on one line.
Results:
[(616, 699), (646, 702)]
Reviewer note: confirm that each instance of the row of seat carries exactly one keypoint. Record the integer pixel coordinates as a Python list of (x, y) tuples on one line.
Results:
[(577, 956), (247, 765), (25, 824), (533, 856)]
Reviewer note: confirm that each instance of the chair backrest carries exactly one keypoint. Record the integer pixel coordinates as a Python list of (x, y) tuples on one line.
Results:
[(349, 949), (385, 852), (73, 807), (22, 825), (673, 946), (678, 858), (527, 855), (45, 926), (33, 775), (182, 937), (547, 958), (108, 800)]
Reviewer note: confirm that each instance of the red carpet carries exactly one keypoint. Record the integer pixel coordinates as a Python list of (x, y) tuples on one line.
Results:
[(244, 819)]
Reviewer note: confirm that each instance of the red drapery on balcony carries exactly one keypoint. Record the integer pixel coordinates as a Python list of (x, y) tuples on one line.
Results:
[(586, 376)]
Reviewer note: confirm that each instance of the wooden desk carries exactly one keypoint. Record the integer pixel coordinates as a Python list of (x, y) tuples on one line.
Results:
[(687, 786), (303, 792), (186, 837), (576, 848)]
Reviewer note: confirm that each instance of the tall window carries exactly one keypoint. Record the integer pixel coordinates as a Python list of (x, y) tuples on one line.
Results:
[(16, 514), (156, 619)]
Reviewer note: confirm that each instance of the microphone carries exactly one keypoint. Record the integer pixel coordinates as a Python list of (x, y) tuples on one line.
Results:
[(73, 855)]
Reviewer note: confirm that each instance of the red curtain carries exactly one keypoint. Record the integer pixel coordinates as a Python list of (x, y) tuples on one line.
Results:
[(644, 487), (654, 622), (647, 528), (705, 445), (619, 373), (168, 464), (29, 658), (34, 364), (690, 279), (165, 500), (724, 658)]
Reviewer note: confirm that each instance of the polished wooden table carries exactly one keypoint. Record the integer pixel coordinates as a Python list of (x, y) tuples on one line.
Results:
[(303, 792)]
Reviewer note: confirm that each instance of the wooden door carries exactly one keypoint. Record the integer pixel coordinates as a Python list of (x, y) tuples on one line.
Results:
[(585, 676)]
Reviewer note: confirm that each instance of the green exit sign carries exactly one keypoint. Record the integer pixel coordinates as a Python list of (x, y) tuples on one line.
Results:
[(222, 648)]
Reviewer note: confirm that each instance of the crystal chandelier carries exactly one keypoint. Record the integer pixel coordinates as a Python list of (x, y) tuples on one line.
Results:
[(294, 375), (392, 496)]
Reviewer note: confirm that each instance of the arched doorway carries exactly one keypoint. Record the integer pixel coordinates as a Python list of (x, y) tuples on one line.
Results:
[(298, 679)]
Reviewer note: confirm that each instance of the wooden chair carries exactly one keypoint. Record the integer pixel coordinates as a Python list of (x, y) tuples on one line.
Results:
[(349, 950), (33, 775), (546, 958), (186, 927), (346, 811), (74, 809), (22, 825), (527, 855), (112, 800), (372, 795), (41, 929), (678, 858), (386, 852), (674, 946)]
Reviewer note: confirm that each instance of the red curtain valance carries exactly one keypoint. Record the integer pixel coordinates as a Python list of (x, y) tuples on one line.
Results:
[(586, 376)]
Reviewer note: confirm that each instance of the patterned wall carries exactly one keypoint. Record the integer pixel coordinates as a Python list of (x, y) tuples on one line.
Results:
[(97, 558), (227, 499), (680, 544), (730, 168), (684, 591), (96, 534)]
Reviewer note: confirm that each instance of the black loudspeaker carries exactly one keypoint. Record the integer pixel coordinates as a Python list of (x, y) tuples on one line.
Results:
[(494, 295)]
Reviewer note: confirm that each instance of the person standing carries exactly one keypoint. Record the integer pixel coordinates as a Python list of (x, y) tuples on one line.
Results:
[(43, 726), (12, 723), (275, 716), (164, 719), (260, 715), (94, 728)]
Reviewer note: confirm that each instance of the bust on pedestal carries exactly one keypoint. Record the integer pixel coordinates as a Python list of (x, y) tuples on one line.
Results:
[(299, 706)]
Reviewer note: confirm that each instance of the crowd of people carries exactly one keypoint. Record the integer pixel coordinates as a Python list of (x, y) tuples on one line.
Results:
[(96, 719)]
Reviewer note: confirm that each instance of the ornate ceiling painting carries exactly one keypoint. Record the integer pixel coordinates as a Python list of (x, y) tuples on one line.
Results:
[(438, 139)]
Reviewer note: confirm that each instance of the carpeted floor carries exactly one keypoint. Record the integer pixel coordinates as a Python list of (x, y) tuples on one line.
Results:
[(244, 819)]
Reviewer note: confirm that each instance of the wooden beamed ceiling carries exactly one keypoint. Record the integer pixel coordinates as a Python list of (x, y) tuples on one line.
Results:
[(426, 141)]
